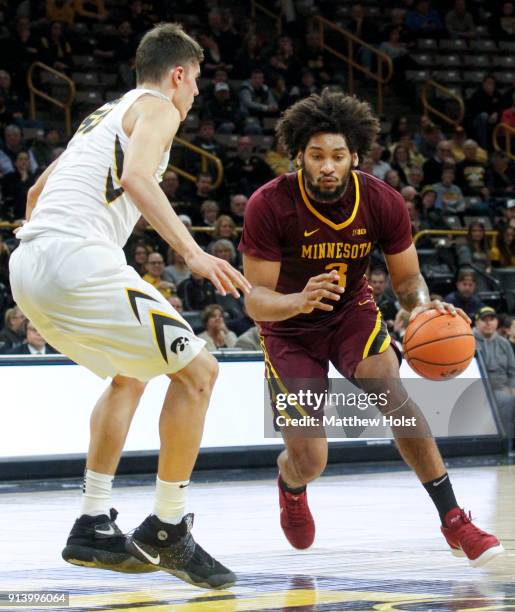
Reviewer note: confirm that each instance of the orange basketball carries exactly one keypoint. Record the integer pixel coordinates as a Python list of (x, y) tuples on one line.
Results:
[(438, 346)]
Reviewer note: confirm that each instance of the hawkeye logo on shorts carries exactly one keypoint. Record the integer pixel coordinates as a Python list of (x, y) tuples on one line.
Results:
[(179, 345), (159, 321)]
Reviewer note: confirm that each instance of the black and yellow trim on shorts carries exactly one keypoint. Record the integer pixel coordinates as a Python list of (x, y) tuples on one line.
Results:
[(157, 318), (276, 386), (379, 340)]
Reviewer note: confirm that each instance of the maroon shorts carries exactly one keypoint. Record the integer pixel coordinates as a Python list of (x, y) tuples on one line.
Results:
[(296, 362)]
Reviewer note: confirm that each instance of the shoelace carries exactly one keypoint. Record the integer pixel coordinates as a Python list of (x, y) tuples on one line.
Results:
[(469, 536)]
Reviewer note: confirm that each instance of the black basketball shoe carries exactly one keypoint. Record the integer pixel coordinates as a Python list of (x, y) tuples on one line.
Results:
[(96, 541), (173, 549)]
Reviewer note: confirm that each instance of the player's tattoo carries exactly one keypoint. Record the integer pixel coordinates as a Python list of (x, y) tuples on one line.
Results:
[(413, 292)]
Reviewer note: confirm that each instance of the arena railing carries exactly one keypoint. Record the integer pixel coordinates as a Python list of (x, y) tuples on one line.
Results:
[(36, 92), (384, 64), (429, 108), (206, 157), (494, 252), (505, 132)]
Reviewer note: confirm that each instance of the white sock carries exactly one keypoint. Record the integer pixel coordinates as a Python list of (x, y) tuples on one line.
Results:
[(170, 500), (96, 493)]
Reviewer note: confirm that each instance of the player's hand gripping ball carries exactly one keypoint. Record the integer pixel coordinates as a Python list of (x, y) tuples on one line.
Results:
[(438, 345)]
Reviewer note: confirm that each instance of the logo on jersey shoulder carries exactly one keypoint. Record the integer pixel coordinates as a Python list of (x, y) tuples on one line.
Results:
[(306, 233), (359, 232), (179, 345)]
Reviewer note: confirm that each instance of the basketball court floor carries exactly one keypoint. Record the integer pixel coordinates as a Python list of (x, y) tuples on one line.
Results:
[(378, 547)]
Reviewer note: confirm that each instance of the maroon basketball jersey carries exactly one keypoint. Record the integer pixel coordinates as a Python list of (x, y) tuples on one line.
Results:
[(310, 238)]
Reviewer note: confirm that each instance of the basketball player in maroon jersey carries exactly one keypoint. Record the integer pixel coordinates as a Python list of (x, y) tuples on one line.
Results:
[(306, 245)]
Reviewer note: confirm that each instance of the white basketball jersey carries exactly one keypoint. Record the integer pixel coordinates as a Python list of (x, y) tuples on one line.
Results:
[(83, 197)]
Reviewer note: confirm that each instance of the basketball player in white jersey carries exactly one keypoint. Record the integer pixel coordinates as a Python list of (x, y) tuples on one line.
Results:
[(70, 277)]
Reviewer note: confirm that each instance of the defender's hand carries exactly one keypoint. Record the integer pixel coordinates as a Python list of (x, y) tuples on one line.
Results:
[(317, 288), (224, 277), (442, 307)]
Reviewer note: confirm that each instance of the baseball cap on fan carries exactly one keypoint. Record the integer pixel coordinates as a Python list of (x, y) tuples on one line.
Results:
[(221, 87), (486, 311)]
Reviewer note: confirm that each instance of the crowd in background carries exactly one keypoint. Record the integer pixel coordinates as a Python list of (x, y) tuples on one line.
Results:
[(448, 177)]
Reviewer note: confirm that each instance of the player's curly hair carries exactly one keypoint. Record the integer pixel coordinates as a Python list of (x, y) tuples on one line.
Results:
[(332, 112)]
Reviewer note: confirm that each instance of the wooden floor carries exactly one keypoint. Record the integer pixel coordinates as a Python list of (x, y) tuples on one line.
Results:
[(378, 547)]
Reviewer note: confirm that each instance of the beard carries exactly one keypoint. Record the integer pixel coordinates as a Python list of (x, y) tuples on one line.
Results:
[(320, 194)]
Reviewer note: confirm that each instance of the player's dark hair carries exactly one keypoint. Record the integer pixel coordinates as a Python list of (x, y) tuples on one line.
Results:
[(330, 112), (165, 46)]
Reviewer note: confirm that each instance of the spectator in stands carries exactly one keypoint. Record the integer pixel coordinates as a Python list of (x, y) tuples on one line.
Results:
[(471, 174), (380, 167), (177, 269), (278, 160), (433, 167), (224, 110), (506, 247), (477, 249), (34, 343), (366, 164), (213, 57), (61, 11), (170, 185), (378, 280), (196, 292), (138, 259), (249, 57), (393, 179), (465, 296), (459, 22), (238, 205), (249, 340), (56, 51), (305, 88), (503, 327), (20, 51), (508, 117), (205, 140), (216, 335), (507, 97), (203, 191), (502, 24), (398, 51), (409, 193), (430, 216), (5, 254), (15, 187), (500, 176), (209, 211), (246, 171), (6, 117), (400, 130), (511, 334), (284, 61), (366, 29), (11, 98), (225, 227), (400, 325), (139, 19), (416, 177), (317, 59), (256, 101), (449, 197), (224, 249), (13, 144), (423, 20), (459, 137), (499, 361), (428, 139), (13, 333), (280, 91), (483, 109), (155, 275), (90, 11), (44, 145), (401, 162)]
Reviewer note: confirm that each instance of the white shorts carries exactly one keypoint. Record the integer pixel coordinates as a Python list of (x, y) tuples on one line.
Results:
[(90, 305)]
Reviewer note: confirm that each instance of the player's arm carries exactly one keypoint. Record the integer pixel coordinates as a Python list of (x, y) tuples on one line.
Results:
[(264, 303), (36, 189), (411, 288), (151, 126)]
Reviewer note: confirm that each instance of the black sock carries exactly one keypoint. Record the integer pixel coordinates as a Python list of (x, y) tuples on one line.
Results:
[(440, 491), (285, 487)]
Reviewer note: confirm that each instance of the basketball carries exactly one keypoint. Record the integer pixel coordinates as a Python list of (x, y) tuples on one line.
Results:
[(438, 346)]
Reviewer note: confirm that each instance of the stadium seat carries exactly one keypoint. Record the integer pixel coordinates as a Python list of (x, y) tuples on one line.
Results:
[(477, 61), (424, 59), (504, 78), (474, 76), (485, 45), (427, 44), (450, 61), (90, 98), (484, 220), (507, 45), (85, 78), (448, 76), (453, 44), (453, 221), (418, 76)]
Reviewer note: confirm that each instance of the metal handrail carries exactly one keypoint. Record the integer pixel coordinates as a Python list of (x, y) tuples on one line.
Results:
[(257, 6), (453, 232), (206, 158), (383, 60), (34, 91), (509, 133), (429, 108)]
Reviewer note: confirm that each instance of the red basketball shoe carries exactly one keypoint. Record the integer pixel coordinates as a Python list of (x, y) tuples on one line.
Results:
[(465, 539), (296, 519)]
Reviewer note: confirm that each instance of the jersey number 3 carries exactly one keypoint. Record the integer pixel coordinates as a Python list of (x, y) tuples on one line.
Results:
[(112, 192), (341, 268)]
